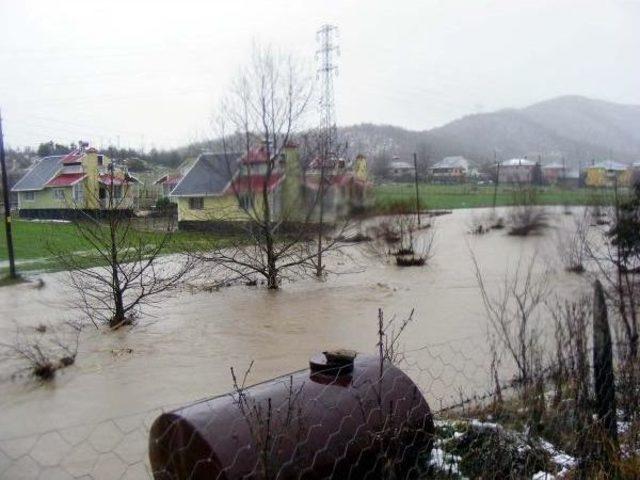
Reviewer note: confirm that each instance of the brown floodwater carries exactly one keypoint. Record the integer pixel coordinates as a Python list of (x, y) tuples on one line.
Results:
[(182, 349)]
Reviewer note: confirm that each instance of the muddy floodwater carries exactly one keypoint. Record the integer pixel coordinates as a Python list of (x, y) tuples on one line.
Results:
[(182, 350)]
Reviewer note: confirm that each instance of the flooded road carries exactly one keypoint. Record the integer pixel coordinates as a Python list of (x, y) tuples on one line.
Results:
[(183, 350)]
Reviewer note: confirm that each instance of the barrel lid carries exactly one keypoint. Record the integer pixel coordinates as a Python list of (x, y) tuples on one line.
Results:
[(333, 362)]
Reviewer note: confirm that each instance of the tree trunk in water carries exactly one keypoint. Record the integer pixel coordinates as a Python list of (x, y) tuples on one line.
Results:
[(272, 270), (118, 318)]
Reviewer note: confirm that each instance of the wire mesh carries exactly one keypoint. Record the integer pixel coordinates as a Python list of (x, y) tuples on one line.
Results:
[(373, 426)]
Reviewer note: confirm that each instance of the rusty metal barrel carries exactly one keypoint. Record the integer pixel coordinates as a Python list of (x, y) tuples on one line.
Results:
[(340, 418)]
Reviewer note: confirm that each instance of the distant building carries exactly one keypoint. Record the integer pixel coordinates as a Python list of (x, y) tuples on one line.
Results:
[(167, 183), (452, 170), (517, 170), (347, 188), (400, 171), (553, 173), (61, 186), (608, 174)]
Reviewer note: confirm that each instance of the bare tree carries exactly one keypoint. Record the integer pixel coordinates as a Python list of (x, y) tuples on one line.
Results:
[(276, 217), (130, 272), (514, 314)]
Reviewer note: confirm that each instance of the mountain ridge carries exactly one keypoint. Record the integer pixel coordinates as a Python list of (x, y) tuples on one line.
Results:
[(577, 128)]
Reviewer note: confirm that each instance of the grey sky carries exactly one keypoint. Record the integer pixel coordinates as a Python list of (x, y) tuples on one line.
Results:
[(150, 72)]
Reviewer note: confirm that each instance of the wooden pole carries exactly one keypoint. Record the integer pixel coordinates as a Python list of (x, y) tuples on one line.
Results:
[(7, 208), (495, 187), (415, 175)]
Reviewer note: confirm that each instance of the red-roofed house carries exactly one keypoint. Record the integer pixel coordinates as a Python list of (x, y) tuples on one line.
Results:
[(81, 181), (223, 188)]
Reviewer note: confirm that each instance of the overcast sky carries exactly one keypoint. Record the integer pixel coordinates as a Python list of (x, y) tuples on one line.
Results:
[(149, 73)]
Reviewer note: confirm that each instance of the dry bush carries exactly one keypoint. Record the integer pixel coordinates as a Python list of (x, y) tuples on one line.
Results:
[(41, 351), (526, 220), (267, 424), (389, 332), (401, 238), (572, 245), (526, 217), (514, 317), (482, 224)]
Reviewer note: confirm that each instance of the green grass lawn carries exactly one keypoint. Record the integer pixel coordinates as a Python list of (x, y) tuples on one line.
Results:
[(36, 243), (474, 196)]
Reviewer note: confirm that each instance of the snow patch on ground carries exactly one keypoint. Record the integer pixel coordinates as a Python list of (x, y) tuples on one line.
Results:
[(444, 462)]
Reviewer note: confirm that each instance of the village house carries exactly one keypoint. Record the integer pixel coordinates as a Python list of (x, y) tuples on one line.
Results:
[(455, 169), (81, 182), (223, 191), (608, 174), (553, 173), (347, 187), (169, 180), (401, 171), (516, 170)]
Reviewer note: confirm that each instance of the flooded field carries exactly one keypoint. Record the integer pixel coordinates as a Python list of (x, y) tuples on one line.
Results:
[(182, 350)]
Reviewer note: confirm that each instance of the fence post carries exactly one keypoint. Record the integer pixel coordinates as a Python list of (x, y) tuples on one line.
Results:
[(603, 372)]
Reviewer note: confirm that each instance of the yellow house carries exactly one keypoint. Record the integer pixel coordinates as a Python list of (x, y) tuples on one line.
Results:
[(221, 191), (65, 186), (608, 174)]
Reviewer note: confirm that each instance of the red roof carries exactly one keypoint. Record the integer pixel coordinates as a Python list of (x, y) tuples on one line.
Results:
[(255, 155), (73, 157), (255, 183), (65, 180)]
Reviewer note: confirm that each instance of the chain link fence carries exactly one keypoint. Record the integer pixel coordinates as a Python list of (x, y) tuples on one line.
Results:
[(372, 422)]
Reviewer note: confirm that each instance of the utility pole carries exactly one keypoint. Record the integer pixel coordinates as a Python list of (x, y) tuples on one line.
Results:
[(495, 186), (7, 208), (326, 71), (415, 175)]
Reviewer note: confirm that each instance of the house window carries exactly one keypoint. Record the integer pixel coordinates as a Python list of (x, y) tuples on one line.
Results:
[(245, 201), (29, 196), (196, 203), (78, 192), (100, 160), (58, 193)]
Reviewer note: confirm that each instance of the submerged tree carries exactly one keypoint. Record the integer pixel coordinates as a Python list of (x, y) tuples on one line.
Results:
[(130, 272), (271, 212)]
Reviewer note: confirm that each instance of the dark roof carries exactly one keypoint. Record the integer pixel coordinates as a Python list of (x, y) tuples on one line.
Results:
[(39, 174), (209, 175)]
